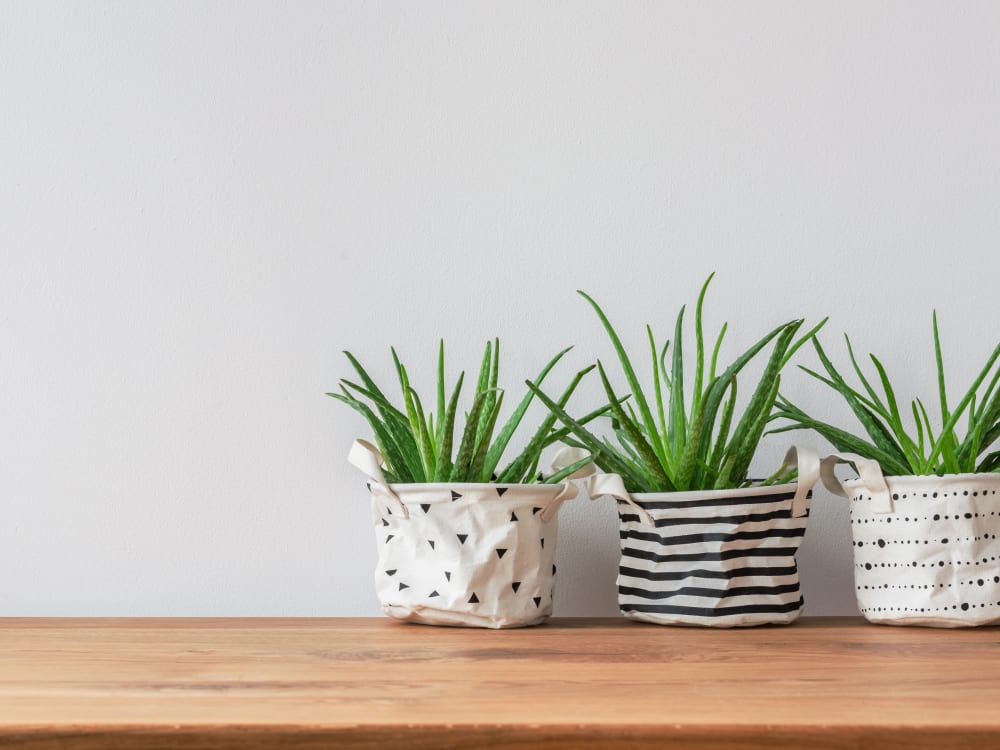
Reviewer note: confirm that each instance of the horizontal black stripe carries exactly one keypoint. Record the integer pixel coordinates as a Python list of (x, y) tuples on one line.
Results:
[(746, 609), (719, 502), (787, 588), (649, 536), (679, 575), (728, 554), (708, 520)]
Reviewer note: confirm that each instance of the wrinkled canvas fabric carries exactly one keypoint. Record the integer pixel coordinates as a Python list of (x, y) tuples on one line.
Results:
[(468, 554), (716, 558), (479, 555), (926, 548)]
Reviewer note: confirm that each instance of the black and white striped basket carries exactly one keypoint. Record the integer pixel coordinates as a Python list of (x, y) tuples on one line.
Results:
[(926, 548), (717, 558)]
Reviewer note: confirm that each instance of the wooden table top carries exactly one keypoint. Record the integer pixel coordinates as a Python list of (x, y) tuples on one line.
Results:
[(574, 683)]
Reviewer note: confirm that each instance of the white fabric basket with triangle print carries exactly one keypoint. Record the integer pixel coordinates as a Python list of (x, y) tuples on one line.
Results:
[(715, 558), (926, 548), (478, 555)]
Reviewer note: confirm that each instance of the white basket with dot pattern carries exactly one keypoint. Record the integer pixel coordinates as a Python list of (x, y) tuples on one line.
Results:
[(926, 548), (476, 555)]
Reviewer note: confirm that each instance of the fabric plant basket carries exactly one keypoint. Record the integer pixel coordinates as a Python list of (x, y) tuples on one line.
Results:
[(926, 550), (477, 555), (715, 558)]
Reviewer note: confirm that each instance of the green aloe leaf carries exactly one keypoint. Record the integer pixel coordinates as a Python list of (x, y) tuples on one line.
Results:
[(662, 448), (636, 439), (690, 458), (677, 424), (746, 441), (445, 465), (485, 433), (921, 449), (496, 450), (894, 419), (419, 446), (714, 463), (719, 386), (604, 454), (526, 464), (874, 426), (637, 394), (427, 453), (699, 344), (441, 407), (686, 443), (715, 352), (990, 463), (947, 435), (493, 362), (875, 403), (398, 467), (466, 449)]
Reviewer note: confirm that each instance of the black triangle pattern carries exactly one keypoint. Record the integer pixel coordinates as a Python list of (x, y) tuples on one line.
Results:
[(462, 538)]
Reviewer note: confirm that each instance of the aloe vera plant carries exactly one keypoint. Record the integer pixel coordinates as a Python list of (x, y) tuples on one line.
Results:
[(920, 450), (420, 447), (672, 443)]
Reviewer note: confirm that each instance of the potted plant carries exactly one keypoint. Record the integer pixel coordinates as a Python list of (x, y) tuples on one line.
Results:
[(463, 539), (925, 508), (701, 542)]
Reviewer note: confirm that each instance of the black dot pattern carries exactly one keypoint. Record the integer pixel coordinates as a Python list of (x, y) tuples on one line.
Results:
[(720, 558), (476, 555), (935, 560)]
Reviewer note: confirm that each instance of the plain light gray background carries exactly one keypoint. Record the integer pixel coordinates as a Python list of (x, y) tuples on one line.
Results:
[(202, 204)]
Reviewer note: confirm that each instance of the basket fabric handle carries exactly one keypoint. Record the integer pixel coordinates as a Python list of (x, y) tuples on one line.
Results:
[(368, 460), (612, 485), (568, 456), (870, 474), (804, 458)]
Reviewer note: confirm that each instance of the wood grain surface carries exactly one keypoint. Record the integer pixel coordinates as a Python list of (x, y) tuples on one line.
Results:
[(574, 683)]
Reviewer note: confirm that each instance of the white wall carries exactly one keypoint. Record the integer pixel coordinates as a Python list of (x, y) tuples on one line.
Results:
[(202, 204)]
